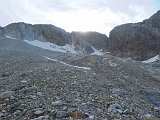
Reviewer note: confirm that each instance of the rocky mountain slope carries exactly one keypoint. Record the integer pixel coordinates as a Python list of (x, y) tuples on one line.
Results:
[(41, 84), (58, 36), (139, 41), (40, 79)]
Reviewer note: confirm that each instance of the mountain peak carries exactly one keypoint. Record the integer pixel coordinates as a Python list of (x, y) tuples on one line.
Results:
[(154, 20), (139, 41)]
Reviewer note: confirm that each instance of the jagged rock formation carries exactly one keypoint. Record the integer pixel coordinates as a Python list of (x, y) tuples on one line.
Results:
[(50, 33), (139, 41)]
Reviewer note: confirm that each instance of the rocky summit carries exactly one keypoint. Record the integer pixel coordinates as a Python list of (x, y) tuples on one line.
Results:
[(49, 74)]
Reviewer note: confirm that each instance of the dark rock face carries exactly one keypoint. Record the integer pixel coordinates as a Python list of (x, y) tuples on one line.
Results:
[(139, 41), (94, 39), (153, 20), (48, 33)]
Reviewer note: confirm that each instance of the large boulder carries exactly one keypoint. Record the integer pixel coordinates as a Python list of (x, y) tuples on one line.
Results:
[(139, 41)]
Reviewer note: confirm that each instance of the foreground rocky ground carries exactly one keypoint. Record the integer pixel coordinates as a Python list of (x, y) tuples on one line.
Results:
[(36, 86)]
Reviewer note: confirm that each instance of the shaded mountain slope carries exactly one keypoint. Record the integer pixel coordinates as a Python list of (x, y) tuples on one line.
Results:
[(139, 41)]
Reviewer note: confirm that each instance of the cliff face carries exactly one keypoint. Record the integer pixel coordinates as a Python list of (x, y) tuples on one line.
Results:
[(139, 41), (83, 42)]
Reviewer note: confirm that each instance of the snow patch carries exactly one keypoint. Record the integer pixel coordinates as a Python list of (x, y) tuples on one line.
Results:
[(51, 59), (96, 52), (112, 64), (9, 37), (154, 59), (53, 47), (85, 68)]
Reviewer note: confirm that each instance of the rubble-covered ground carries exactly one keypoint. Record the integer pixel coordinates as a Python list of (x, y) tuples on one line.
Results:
[(37, 84)]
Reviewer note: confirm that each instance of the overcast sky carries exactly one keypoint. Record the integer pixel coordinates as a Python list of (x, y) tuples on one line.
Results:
[(77, 15)]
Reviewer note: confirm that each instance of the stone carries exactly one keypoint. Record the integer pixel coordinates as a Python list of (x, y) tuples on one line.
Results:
[(24, 83), (58, 103), (2, 114), (5, 75), (78, 115), (91, 117), (38, 112), (29, 89), (61, 114), (1, 107), (33, 97), (147, 116), (126, 111), (6, 94), (29, 113), (52, 114), (12, 97), (114, 108), (39, 94)]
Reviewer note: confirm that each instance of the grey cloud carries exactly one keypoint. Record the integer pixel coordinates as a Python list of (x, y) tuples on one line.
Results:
[(59, 5), (19, 11), (37, 11), (123, 6)]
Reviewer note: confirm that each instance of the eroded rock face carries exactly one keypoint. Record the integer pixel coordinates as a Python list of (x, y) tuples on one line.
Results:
[(139, 41)]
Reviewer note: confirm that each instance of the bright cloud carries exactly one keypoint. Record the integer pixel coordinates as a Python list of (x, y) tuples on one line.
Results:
[(77, 15)]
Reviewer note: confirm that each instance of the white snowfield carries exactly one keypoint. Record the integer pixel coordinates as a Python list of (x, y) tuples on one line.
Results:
[(154, 59), (52, 47), (9, 37), (85, 68)]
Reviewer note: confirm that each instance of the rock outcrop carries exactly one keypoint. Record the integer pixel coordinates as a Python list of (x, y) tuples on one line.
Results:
[(139, 41)]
